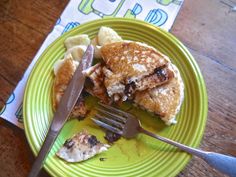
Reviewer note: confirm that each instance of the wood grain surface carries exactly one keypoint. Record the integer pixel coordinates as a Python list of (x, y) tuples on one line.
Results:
[(207, 28)]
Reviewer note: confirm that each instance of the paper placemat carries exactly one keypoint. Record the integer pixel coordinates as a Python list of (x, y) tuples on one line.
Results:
[(157, 12)]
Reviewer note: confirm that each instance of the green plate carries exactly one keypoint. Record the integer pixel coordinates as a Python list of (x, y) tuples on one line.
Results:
[(143, 156)]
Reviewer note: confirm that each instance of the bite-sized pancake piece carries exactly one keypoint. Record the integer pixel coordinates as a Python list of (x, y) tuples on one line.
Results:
[(80, 147), (164, 100), (81, 39), (107, 35), (114, 86), (64, 71)]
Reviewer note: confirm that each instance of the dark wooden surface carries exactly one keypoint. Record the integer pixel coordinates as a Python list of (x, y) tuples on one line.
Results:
[(207, 28)]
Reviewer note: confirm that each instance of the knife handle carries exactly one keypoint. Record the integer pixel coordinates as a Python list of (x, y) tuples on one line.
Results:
[(38, 163)]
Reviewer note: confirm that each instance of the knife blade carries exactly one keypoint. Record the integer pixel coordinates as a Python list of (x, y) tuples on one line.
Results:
[(64, 109)]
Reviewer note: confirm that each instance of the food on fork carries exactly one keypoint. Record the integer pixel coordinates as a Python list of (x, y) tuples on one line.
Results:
[(80, 147)]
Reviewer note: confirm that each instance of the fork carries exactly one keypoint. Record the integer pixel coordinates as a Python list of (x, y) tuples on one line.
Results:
[(128, 126)]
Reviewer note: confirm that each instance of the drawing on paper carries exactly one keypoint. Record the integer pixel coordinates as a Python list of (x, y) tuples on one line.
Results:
[(70, 26), (94, 6), (168, 2), (58, 21), (10, 100), (157, 17), (132, 13), (19, 113)]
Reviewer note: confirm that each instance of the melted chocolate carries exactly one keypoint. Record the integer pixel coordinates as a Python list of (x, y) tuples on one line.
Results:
[(69, 143), (129, 88), (92, 140), (161, 73)]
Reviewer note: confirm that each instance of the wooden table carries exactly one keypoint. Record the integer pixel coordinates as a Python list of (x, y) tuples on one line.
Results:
[(207, 28)]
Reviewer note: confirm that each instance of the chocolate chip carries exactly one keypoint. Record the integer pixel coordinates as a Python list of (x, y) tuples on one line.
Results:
[(69, 143), (161, 73), (129, 88), (92, 140)]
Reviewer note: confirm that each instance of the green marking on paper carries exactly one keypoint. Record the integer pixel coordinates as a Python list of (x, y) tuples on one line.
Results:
[(92, 6), (168, 2)]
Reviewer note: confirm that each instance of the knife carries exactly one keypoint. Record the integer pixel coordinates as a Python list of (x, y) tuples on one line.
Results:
[(64, 109)]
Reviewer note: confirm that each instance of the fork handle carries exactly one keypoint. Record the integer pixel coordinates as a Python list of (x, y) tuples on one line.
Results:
[(224, 163)]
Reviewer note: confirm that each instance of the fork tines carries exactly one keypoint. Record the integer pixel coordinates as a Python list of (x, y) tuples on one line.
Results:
[(107, 126), (110, 118), (115, 110)]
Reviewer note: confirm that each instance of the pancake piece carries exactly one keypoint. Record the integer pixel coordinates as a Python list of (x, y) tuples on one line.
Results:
[(80, 147), (96, 85), (63, 70), (133, 66), (164, 100), (131, 59)]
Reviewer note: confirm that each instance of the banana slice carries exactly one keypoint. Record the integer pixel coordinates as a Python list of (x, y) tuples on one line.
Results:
[(107, 35), (82, 39), (76, 52)]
